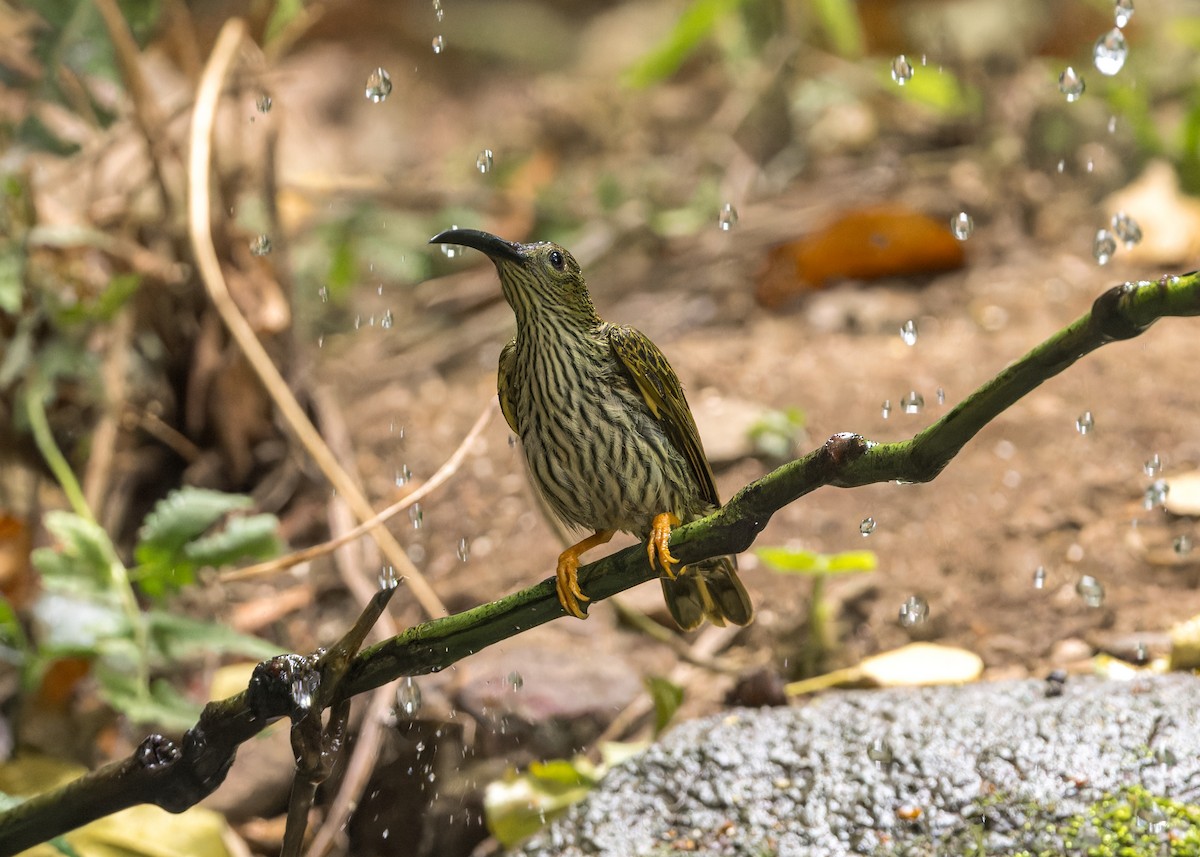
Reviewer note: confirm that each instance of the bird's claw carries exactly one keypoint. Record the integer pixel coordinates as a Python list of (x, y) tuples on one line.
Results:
[(658, 547), (567, 585)]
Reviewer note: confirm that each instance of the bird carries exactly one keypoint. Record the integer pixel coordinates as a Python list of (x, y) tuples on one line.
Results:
[(608, 436)]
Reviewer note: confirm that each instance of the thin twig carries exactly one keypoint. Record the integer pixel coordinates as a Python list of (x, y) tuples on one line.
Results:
[(443, 473), (203, 118)]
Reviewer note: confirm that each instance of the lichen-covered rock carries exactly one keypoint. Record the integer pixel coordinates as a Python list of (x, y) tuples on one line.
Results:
[(995, 768)]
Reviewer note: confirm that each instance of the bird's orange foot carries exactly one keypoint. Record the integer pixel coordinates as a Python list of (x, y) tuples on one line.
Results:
[(658, 547), (567, 574)]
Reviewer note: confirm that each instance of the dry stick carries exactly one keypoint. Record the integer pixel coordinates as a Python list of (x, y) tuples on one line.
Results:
[(107, 431), (203, 117), (176, 778), (435, 481)]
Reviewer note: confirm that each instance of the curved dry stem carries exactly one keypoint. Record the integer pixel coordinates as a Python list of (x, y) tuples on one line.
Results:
[(209, 265)]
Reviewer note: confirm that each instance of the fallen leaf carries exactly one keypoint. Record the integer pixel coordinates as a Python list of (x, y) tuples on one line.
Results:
[(867, 244)]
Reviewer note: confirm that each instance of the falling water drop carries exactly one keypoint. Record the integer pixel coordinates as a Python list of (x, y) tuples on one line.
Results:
[(886, 408), (1071, 84), (388, 320), (451, 250), (914, 611), (1109, 52), (908, 332), (417, 515), (912, 403), (1090, 590), (263, 103), (388, 578), (464, 549), (867, 527), (408, 697), (880, 752), (1152, 466), (1084, 422), (439, 44), (483, 162), (515, 680), (1156, 494), (1039, 577), (1126, 229), (902, 70), (941, 396), (728, 217), (1183, 545), (379, 86), (1104, 246), (1122, 12), (260, 246), (438, 11), (962, 225)]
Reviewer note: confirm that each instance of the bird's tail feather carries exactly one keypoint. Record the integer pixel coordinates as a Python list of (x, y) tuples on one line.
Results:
[(708, 590)]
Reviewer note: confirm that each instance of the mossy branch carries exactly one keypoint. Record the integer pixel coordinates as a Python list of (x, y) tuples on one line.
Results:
[(178, 777)]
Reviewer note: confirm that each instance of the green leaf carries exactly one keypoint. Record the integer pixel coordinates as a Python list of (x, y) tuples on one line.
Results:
[(667, 697), (180, 517), (163, 706), (791, 561), (177, 637), (283, 14), (695, 25), (522, 804), (249, 537), (939, 90), (839, 20), (84, 549)]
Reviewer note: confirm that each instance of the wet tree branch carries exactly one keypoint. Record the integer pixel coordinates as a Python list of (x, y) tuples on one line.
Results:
[(176, 777)]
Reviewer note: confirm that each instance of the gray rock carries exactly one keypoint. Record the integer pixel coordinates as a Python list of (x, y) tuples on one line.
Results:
[(986, 768)]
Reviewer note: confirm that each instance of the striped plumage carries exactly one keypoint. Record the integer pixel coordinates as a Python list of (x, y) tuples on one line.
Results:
[(610, 441)]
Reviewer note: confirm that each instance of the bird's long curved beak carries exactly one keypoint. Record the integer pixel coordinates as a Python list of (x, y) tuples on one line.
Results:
[(494, 247)]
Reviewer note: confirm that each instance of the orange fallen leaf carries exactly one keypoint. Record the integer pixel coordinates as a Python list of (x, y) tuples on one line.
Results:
[(867, 244)]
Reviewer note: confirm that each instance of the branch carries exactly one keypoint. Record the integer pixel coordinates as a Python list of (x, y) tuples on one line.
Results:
[(176, 778)]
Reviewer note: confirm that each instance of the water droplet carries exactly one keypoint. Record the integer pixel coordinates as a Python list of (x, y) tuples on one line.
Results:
[(1071, 85), (1109, 52), (484, 161), (962, 225), (512, 441), (902, 70), (417, 515), (1183, 545), (867, 527), (379, 86), (728, 217), (403, 475), (908, 332), (451, 250), (912, 403), (439, 44), (387, 577), (323, 294), (1104, 246), (388, 320), (1039, 577), (1112, 124), (260, 246), (304, 688), (1090, 590), (515, 680), (880, 752), (914, 611), (408, 696), (263, 103), (941, 396), (1122, 12), (1156, 494), (464, 549), (1152, 466), (1084, 422), (438, 11), (1165, 756), (1126, 229), (886, 408)]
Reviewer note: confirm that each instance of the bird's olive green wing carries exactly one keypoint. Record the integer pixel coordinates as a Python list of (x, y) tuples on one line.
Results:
[(659, 386), (507, 355)]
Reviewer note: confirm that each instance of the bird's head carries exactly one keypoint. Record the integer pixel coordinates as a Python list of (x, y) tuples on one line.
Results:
[(538, 279)]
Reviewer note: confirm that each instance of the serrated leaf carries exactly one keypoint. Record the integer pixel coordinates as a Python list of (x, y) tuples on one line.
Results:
[(248, 537), (176, 637), (163, 706), (667, 697), (83, 548), (180, 517)]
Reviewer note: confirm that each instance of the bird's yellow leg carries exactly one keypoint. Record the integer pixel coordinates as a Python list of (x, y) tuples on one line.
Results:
[(658, 547), (567, 574)]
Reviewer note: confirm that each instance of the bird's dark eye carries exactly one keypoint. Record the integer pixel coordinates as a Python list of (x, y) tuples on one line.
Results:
[(557, 260)]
